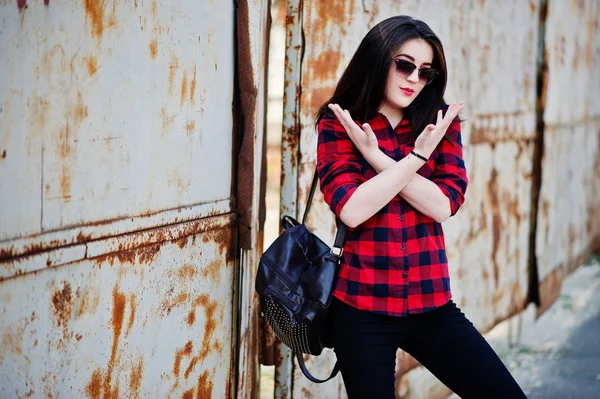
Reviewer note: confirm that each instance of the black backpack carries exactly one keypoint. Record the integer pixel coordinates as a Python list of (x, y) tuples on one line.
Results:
[(295, 282)]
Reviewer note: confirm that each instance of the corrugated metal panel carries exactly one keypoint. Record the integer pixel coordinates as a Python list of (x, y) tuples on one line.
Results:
[(115, 162), (569, 206), (98, 129), (491, 53), (151, 321), (289, 161), (253, 32)]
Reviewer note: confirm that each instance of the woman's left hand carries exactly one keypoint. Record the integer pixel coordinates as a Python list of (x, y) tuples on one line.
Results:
[(364, 139)]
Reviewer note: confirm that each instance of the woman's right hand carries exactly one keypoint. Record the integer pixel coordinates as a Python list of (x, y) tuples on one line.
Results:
[(433, 134)]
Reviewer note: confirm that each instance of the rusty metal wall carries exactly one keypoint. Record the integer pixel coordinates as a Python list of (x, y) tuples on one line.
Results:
[(119, 149), (98, 130), (491, 49), (253, 22), (151, 321), (284, 366), (568, 218)]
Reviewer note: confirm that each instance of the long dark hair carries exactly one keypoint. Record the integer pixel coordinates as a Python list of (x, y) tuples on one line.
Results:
[(361, 89)]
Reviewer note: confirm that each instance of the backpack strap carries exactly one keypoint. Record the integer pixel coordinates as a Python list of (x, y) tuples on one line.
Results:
[(313, 188), (308, 375), (340, 235)]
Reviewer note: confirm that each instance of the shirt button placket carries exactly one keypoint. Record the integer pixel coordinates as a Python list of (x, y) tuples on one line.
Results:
[(403, 248)]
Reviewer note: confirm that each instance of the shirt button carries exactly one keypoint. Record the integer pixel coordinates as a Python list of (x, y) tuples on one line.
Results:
[(404, 275), (401, 217), (403, 247)]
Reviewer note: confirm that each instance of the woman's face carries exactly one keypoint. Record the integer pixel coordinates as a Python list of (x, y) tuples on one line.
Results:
[(402, 88)]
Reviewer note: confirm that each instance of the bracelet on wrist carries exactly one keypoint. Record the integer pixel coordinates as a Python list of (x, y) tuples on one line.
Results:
[(419, 156)]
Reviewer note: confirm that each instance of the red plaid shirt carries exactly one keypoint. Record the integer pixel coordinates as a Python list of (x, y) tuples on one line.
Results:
[(395, 262)]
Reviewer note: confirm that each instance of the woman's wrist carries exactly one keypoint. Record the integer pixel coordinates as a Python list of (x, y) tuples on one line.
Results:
[(419, 155), (414, 155), (372, 155)]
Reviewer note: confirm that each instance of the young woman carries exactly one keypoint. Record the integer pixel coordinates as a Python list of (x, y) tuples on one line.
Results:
[(391, 169)]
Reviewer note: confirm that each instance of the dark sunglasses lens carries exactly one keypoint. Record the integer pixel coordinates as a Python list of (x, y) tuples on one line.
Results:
[(404, 68), (427, 75)]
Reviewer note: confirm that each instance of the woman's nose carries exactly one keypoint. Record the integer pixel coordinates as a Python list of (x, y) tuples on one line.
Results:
[(414, 76)]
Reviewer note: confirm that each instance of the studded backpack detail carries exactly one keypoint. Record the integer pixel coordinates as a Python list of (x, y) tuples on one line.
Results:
[(295, 282)]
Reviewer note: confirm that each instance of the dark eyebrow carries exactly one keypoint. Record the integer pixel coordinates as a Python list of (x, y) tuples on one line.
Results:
[(412, 58)]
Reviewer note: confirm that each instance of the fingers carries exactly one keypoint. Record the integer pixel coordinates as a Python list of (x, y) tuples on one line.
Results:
[(452, 112), (337, 111), (368, 130), (343, 116), (439, 117)]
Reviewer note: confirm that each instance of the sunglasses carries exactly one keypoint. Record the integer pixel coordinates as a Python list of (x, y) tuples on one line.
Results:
[(406, 68)]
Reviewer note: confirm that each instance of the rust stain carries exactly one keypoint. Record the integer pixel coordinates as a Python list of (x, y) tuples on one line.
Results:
[(496, 223), (324, 67), (189, 394), (182, 242), (83, 237), (209, 329), (61, 301), (167, 121), (161, 30), (64, 151), (185, 351), (335, 13), (134, 256), (118, 311), (211, 323), (12, 339), (153, 48), (205, 386), (112, 19), (183, 87), (213, 270), (189, 126), (170, 303), (173, 67), (154, 9), (81, 110), (224, 239), (89, 303), (94, 10), (158, 235), (131, 313), (187, 272), (191, 318), (92, 64), (191, 366), (193, 87), (124, 257), (135, 384), (147, 254), (93, 389), (532, 6)]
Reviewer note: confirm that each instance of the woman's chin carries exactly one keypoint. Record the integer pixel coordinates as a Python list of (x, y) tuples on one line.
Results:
[(402, 103)]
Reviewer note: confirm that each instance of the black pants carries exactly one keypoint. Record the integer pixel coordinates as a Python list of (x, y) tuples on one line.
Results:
[(442, 340)]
